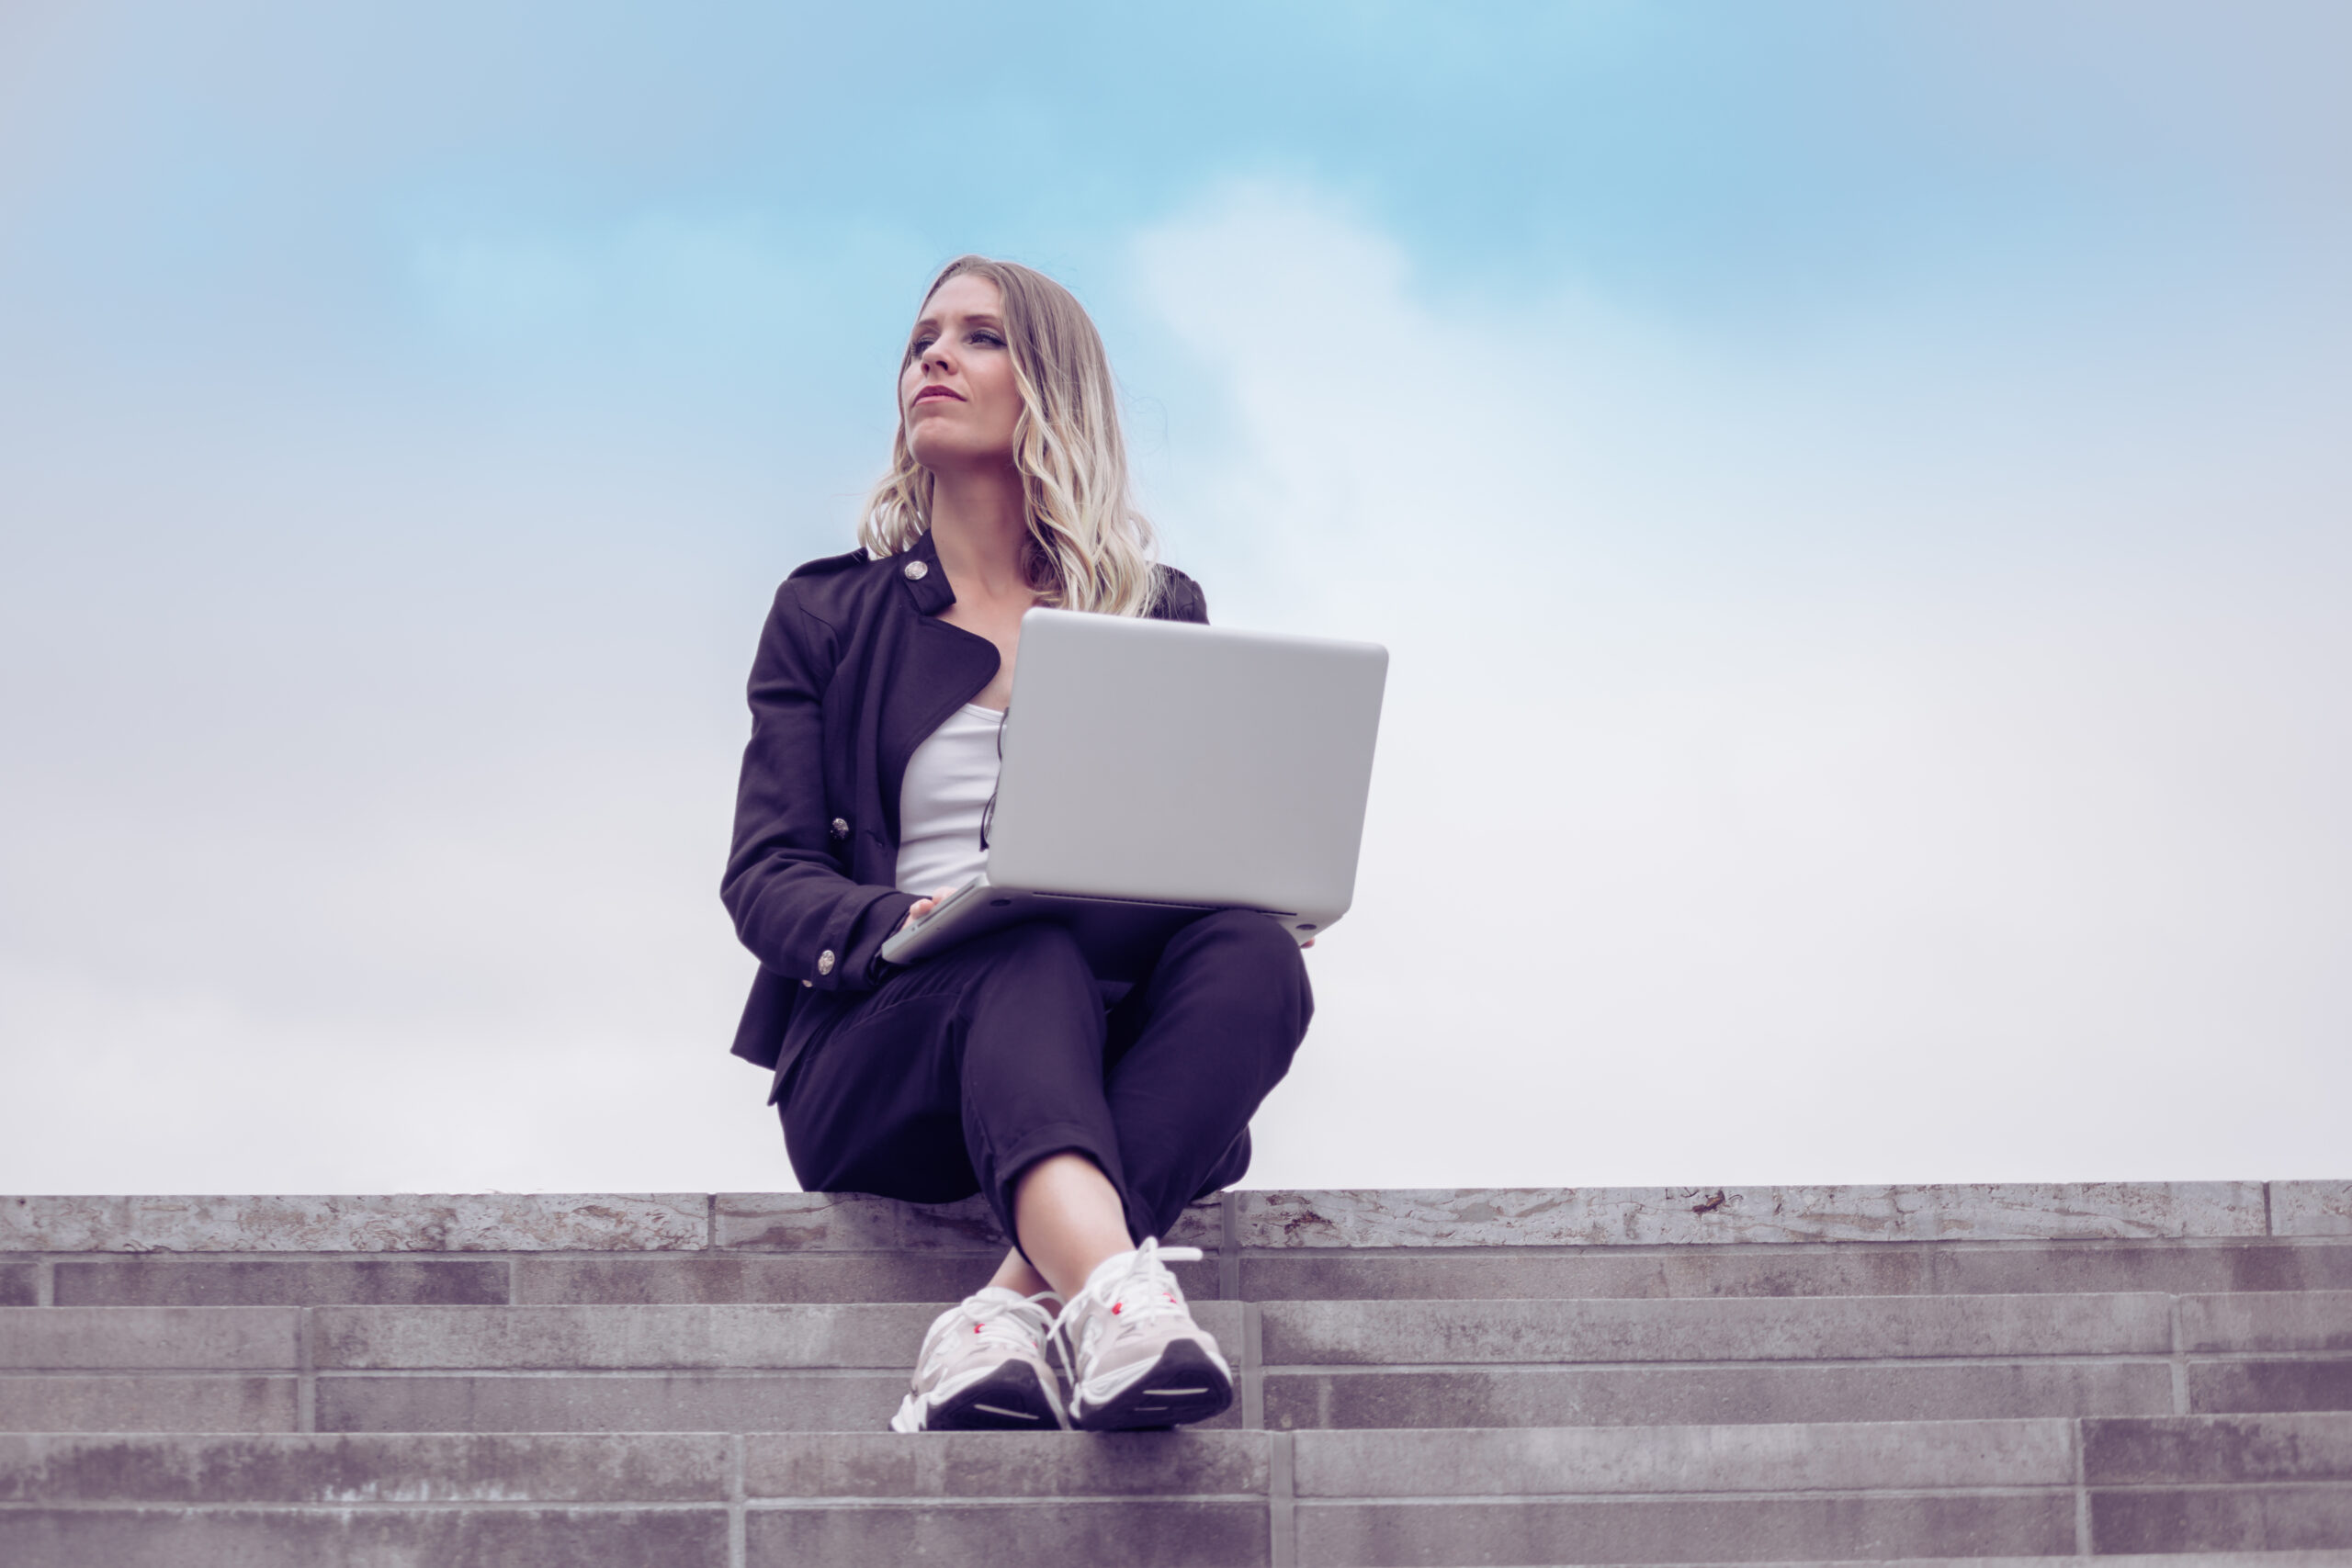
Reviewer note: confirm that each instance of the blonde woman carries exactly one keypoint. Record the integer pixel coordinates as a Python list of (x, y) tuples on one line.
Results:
[(1087, 1118)]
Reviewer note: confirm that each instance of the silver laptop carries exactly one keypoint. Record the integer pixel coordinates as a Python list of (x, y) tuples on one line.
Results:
[(1155, 770)]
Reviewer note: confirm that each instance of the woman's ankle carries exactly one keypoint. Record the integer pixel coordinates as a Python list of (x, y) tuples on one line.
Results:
[(1069, 1220)]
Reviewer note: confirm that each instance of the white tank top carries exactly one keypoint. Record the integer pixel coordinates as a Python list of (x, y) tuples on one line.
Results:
[(948, 783)]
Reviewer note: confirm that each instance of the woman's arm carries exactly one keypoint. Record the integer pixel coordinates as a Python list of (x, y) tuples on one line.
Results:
[(793, 904)]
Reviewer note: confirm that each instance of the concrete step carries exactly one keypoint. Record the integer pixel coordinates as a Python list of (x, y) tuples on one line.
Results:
[(2023, 1489), (2005, 1267), (2176, 1268), (1304, 1364), (1588, 1375), (1441, 1245), (532, 1369), (1413, 1364), (483, 1248)]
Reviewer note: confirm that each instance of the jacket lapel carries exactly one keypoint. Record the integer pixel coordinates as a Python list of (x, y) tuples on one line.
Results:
[(937, 669)]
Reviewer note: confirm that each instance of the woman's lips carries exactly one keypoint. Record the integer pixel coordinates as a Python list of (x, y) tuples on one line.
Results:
[(929, 392)]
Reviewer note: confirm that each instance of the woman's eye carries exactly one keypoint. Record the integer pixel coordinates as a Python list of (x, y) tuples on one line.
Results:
[(990, 338)]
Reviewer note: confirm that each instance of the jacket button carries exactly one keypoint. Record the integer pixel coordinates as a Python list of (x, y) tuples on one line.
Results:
[(825, 962), (807, 985), (916, 572), (840, 829)]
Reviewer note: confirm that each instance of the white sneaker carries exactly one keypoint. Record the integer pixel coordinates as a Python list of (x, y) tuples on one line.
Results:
[(983, 1369), (1134, 1356)]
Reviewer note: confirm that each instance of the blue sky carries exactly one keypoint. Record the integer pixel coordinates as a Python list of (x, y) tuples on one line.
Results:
[(1856, 494)]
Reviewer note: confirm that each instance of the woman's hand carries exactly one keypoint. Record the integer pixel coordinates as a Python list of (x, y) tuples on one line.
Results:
[(921, 907)]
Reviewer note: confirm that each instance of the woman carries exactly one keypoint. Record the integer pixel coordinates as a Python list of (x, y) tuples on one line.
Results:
[(1002, 1066)]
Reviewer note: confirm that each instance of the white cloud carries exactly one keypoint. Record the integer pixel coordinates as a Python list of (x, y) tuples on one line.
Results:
[(1773, 785), (1713, 838)]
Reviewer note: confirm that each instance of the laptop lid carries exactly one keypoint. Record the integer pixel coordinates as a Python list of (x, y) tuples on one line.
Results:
[(1178, 763)]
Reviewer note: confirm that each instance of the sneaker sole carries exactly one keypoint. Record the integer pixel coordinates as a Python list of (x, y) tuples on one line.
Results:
[(1010, 1399), (1183, 1386)]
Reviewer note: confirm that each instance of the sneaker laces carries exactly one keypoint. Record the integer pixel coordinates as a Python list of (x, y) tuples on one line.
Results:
[(1015, 1327), (1142, 1290)]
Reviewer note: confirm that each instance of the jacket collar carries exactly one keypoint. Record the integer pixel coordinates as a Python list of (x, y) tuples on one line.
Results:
[(924, 580)]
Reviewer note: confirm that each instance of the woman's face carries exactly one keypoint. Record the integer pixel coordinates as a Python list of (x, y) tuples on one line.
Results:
[(956, 393)]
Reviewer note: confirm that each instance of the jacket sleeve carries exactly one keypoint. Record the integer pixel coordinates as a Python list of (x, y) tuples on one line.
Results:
[(793, 904)]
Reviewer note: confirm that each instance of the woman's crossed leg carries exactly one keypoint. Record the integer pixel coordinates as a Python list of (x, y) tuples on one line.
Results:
[(995, 1067)]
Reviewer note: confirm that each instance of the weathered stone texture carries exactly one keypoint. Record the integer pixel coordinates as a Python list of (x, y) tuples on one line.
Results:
[(465, 1222), (2311, 1208), (967, 1227), (800, 1222), (674, 1402), (1609, 1375), (2309, 1320), (717, 1277), (1681, 1396), (1191, 1462), (1602, 1216), (2289, 1383), (1588, 1460), (793, 1223), (1686, 1530), (837, 1336), (208, 1281), (2217, 1449), (836, 1222), (593, 1338), (147, 1402), (137, 1338), (1794, 1269), (813, 1401), (2222, 1518), (1133, 1532), (346, 1470), (1721, 1329), (455, 1537)]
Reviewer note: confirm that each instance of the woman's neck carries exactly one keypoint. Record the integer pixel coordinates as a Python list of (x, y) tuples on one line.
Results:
[(980, 524)]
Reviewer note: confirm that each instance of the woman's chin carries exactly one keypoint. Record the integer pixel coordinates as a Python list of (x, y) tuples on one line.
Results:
[(960, 456)]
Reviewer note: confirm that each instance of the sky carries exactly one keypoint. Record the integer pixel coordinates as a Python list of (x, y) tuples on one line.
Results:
[(1856, 497)]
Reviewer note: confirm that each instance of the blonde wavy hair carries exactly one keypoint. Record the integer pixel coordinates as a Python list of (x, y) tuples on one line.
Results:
[(1089, 548)]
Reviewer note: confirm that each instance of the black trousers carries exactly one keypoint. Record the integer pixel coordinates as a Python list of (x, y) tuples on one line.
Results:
[(956, 1076)]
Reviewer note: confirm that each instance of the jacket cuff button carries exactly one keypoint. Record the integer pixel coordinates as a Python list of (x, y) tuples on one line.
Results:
[(825, 962), (841, 827)]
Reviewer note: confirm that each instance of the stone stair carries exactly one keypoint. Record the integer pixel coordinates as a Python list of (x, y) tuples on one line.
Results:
[(1993, 1374)]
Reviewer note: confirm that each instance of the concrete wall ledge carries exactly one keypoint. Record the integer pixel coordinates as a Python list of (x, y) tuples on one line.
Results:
[(1250, 1221)]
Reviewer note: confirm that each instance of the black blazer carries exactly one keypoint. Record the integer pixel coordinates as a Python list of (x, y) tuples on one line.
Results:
[(854, 670)]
